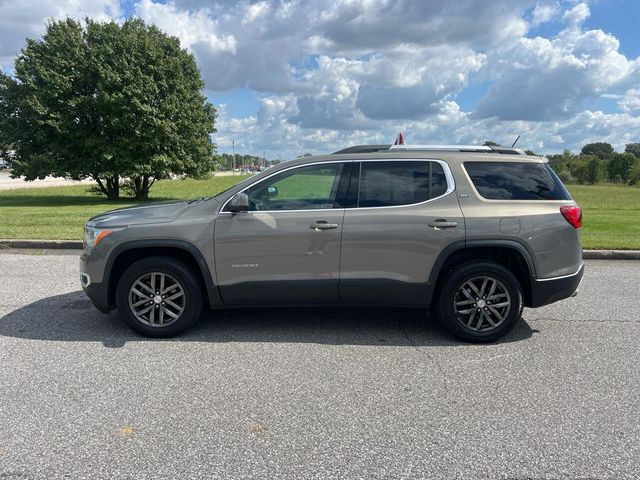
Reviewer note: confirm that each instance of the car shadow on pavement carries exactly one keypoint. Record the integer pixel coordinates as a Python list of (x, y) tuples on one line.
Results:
[(72, 317)]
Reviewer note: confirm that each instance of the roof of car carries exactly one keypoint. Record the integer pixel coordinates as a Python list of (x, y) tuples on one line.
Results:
[(377, 153), (445, 148)]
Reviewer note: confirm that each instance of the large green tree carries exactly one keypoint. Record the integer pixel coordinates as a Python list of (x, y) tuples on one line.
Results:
[(564, 165), (620, 166), (121, 104), (602, 150), (590, 169), (633, 148)]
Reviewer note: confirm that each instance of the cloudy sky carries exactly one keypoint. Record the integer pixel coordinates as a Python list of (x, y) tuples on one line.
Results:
[(300, 76)]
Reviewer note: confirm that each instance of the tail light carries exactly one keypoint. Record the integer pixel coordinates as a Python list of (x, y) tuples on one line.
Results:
[(573, 215)]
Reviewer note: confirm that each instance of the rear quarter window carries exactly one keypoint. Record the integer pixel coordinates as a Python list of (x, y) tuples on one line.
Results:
[(516, 181)]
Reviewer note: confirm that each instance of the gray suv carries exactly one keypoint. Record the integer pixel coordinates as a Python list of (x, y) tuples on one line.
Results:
[(475, 233)]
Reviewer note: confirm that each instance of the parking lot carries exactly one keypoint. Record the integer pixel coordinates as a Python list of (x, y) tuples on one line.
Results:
[(315, 393)]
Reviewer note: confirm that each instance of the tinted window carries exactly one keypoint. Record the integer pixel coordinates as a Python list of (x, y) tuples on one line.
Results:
[(516, 181), (384, 184), (301, 188)]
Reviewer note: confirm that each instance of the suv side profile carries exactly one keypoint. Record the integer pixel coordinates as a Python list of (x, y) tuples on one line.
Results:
[(474, 233)]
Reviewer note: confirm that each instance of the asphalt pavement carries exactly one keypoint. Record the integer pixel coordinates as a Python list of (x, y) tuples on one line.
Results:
[(308, 393)]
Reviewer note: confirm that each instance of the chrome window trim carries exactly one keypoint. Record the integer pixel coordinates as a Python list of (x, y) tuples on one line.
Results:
[(451, 186)]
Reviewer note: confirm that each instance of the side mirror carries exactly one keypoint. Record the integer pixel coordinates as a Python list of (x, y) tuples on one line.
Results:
[(272, 192), (239, 203)]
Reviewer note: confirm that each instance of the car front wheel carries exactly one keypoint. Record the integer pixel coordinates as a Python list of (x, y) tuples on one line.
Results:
[(159, 296)]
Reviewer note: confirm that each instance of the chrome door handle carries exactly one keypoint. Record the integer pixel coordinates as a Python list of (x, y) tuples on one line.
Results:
[(441, 223), (322, 225)]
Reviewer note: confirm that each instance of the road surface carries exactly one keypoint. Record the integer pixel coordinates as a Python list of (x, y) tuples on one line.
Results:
[(306, 393)]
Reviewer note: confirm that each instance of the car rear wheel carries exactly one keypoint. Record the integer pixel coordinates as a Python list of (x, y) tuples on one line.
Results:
[(480, 301), (159, 296)]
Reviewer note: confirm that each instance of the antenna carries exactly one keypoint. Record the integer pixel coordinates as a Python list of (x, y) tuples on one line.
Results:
[(514, 143)]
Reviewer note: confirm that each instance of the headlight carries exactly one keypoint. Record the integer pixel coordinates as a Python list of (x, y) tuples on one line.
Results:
[(94, 235)]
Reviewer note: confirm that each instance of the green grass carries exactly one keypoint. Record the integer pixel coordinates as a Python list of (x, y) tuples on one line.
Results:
[(60, 212), (611, 216), (611, 213)]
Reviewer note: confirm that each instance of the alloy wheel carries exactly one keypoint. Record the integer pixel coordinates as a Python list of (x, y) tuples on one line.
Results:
[(157, 299), (482, 303)]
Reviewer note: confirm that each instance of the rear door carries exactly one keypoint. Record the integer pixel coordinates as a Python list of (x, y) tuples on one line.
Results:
[(406, 212), (286, 248)]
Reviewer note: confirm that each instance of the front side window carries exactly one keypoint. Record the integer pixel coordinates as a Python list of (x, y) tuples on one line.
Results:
[(394, 183), (516, 181), (303, 188)]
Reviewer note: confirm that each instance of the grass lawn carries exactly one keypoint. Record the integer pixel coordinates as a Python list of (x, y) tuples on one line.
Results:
[(611, 213), (611, 216), (60, 212)]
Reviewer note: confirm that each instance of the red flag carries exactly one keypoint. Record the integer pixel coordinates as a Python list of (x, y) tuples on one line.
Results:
[(399, 139)]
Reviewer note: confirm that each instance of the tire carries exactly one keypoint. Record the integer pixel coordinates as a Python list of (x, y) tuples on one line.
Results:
[(467, 315), (182, 292)]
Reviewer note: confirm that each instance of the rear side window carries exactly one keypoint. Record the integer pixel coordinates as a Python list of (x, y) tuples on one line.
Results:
[(516, 181), (385, 184)]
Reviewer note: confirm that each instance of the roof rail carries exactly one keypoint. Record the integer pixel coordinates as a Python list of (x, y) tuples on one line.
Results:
[(455, 148), (508, 150), (449, 148), (363, 149)]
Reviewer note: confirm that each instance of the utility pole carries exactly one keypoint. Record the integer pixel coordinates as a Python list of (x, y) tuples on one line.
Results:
[(233, 167), (264, 159)]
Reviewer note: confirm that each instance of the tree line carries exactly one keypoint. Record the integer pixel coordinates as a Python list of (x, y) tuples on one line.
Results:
[(596, 163), (226, 161)]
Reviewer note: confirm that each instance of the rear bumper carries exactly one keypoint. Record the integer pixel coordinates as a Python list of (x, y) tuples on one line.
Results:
[(548, 290)]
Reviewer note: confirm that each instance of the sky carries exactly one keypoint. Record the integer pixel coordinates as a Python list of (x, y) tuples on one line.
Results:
[(294, 76)]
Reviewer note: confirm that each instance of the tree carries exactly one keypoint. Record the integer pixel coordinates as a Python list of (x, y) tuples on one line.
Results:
[(564, 165), (633, 148), (602, 150), (491, 143), (634, 174), (590, 169), (620, 165), (107, 101)]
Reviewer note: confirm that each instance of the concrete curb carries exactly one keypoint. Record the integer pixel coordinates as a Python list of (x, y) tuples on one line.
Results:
[(77, 245), (43, 244), (611, 254)]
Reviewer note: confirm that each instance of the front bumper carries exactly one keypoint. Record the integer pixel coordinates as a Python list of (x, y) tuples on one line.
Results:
[(96, 291), (548, 290)]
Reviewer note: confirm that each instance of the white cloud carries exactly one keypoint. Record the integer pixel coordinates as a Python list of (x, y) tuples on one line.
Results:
[(192, 28), (351, 71), (575, 16), (550, 78), (543, 13), (330, 74), (27, 19), (630, 102)]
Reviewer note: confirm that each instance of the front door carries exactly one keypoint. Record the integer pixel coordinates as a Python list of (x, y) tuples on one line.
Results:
[(406, 214), (286, 248)]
